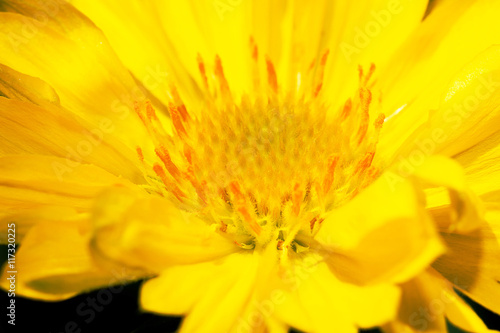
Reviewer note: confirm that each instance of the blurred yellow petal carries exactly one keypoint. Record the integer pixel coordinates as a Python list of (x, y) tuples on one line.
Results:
[(73, 57), (426, 300), (154, 61), (262, 199), (452, 36), (459, 209), (231, 289), (467, 114), (482, 167), (410, 243), (32, 190), (24, 128), (472, 264), (308, 292), (48, 272), (152, 233), (361, 33), (14, 85)]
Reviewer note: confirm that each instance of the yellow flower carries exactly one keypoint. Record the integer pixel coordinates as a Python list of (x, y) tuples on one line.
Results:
[(326, 165)]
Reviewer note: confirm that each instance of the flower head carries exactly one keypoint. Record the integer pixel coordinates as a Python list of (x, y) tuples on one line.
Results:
[(272, 166)]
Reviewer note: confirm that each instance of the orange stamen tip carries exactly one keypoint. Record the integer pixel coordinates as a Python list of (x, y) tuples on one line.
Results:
[(139, 113), (158, 169), (370, 72), (296, 199), (139, 153), (324, 58), (347, 108), (201, 68), (164, 156), (330, 175), (379, 121), (254, 49), (271, 75), (183, 112), (176, 120), (251, 222), (365, 162), (318, 89), (150, 111), (188, 154), (313, 222), (223, 227), (219, 73)]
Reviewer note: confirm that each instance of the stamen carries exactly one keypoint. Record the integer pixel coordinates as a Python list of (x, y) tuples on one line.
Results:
[(140, 154), (297, 197), (163, 154), (270, 164), (347, 109), (201, 67), (271, 76), (332, 164), (322, 65), (169, 186), (255, 64), (240, 204), (176, 120), (365, 96), (219, 73)]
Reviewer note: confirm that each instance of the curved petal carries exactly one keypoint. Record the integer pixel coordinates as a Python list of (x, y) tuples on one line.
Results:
[(150, 232), (52, 130), (74, 58), (231, 298), (472, 264), (313, 299), (481, 164), (144, 47), (55, 263), (15, 85), (449, 200), (420, 72), (32, 190), (469, 111), (427, 300), (388, 212), (362, 33), (316, 310)]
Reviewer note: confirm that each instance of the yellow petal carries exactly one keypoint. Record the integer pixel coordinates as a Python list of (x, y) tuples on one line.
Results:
[(145, 47), (57, 44), (31, 191), (386, 213), (230, 288), (15, 85), (55, 263), (464, 211), (361, 33), (420, 72), (427, 300), (150, 232), (311, 295), (177, 289), (469, 112), (472, 264), (25, 128), (482, 167)]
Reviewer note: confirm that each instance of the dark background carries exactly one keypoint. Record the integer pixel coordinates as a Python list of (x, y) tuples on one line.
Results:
[(120, 315)]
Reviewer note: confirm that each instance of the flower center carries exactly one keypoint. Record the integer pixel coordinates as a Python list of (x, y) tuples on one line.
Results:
[(265, 169)]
